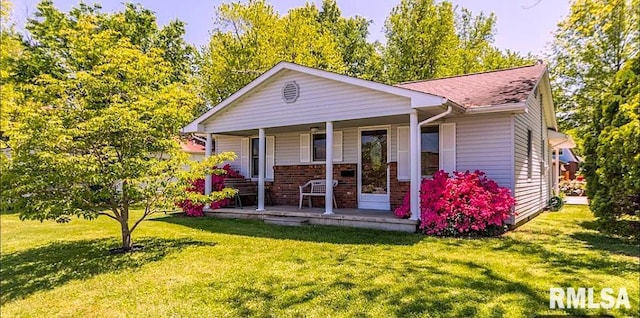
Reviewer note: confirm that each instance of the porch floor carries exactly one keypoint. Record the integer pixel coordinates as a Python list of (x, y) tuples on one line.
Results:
[(362, 218)]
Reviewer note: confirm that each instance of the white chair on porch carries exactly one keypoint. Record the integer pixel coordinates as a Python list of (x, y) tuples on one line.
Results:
[(316, 188)]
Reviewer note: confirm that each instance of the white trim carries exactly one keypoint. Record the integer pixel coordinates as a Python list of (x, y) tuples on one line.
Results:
[(245, 157), (328, 195), (414, 185), (359, 167), (513, 158), (305, 150), (262, 157), (418, 99), (447, 149), (405, 164)]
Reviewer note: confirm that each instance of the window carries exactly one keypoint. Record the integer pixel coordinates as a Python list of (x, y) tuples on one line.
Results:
[(529, 155), (254, 157), (319, 147), (430, 155)]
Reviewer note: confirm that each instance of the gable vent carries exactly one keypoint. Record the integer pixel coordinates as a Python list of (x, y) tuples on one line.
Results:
[(290, 92)]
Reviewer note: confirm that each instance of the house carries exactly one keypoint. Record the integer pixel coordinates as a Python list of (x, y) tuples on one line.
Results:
[(569, 163), (382, 139), (194, 146)]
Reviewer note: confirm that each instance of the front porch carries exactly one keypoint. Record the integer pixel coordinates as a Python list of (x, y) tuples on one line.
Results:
[(361, 218)]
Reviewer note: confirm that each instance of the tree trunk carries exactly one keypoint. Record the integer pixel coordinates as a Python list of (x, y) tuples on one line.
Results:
[(126, 235)]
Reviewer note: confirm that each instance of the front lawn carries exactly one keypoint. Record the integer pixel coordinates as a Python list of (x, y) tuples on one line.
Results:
[(204, 267)]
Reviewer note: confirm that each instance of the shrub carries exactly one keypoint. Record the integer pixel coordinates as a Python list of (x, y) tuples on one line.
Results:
[(466, 204), (217, 184)]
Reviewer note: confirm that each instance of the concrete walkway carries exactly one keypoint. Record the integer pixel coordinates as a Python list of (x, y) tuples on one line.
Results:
[(576, 200)]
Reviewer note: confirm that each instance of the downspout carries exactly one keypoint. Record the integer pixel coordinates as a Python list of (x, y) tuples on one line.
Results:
[(415, 159), (436, 117), (427, 121)]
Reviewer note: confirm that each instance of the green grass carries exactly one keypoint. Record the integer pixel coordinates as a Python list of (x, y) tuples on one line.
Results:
[(204, 267)]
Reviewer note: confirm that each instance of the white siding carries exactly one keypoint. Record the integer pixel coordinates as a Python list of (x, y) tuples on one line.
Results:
[(320, 100), (288, 147), (230, 143), (531, 194), (485, 143)]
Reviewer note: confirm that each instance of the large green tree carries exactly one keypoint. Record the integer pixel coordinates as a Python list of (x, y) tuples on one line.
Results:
[(248, 39), (103, 99), (428, 39), (612, 145), (360, 57), (590, 46)]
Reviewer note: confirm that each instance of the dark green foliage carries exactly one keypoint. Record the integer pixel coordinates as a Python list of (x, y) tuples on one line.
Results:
[(612, 147)]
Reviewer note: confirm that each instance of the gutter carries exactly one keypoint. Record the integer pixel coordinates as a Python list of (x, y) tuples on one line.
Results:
[(436, 117)]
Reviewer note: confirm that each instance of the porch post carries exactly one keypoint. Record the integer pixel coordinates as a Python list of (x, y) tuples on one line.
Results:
[(262, 146), (328, 195), (414, 187), (208, 150)]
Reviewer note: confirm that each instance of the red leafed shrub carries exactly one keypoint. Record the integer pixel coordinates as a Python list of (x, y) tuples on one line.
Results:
[(217, 184), (467, 204)]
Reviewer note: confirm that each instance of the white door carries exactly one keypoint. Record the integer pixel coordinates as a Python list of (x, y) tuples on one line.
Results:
[(373, 169)]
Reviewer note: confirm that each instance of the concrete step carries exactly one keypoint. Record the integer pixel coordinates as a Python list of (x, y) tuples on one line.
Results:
[(287, 221)]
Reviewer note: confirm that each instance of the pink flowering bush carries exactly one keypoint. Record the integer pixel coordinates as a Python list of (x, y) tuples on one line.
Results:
[(467, 204), (217, 181)]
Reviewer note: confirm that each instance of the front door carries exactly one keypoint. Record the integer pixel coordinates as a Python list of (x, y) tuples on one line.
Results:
[(373, 170)]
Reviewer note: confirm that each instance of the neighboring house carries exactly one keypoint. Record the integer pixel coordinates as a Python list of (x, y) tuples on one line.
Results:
[(383, 138), (194, 146), (569, 163)]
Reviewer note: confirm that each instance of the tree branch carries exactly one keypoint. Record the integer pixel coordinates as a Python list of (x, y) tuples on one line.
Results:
[(109, 215)]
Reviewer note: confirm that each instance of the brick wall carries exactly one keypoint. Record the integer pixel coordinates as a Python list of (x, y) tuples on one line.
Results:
[(398, 188), (287, 179)]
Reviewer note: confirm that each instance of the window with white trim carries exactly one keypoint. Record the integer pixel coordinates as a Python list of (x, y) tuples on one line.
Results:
[(430, 154), (255, 158), (313, 147), (319, 147)]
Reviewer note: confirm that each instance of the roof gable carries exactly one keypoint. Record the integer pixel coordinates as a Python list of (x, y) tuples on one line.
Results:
[(417, 99)]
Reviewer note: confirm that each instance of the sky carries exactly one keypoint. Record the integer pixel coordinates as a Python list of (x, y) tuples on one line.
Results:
[(522, 25)]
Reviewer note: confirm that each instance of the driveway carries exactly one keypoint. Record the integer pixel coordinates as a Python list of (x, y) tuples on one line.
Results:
[(576, 200)]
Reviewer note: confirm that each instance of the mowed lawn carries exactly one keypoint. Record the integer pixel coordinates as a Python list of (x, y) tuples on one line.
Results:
[(205, 267)]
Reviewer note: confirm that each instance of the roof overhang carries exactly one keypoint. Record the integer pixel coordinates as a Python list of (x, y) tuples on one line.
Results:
[(558, 140), (418, 99)]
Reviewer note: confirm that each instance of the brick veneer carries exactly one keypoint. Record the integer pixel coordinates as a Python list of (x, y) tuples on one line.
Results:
[(285, 189), (287, 179), (398, 188)]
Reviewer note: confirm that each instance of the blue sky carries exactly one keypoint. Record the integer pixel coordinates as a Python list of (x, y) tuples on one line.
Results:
[(523, 25)]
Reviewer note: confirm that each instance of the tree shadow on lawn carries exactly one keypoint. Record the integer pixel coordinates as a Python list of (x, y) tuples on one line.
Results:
[(566, 263), (425, 290), (607, 243), (313, 233), (43, 268)]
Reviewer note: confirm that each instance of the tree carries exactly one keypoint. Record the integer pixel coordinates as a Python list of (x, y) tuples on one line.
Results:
[(612, 145), (361, 58), (10, 50), (250, 38), (590, 46), (101, 108), (427, 40)]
